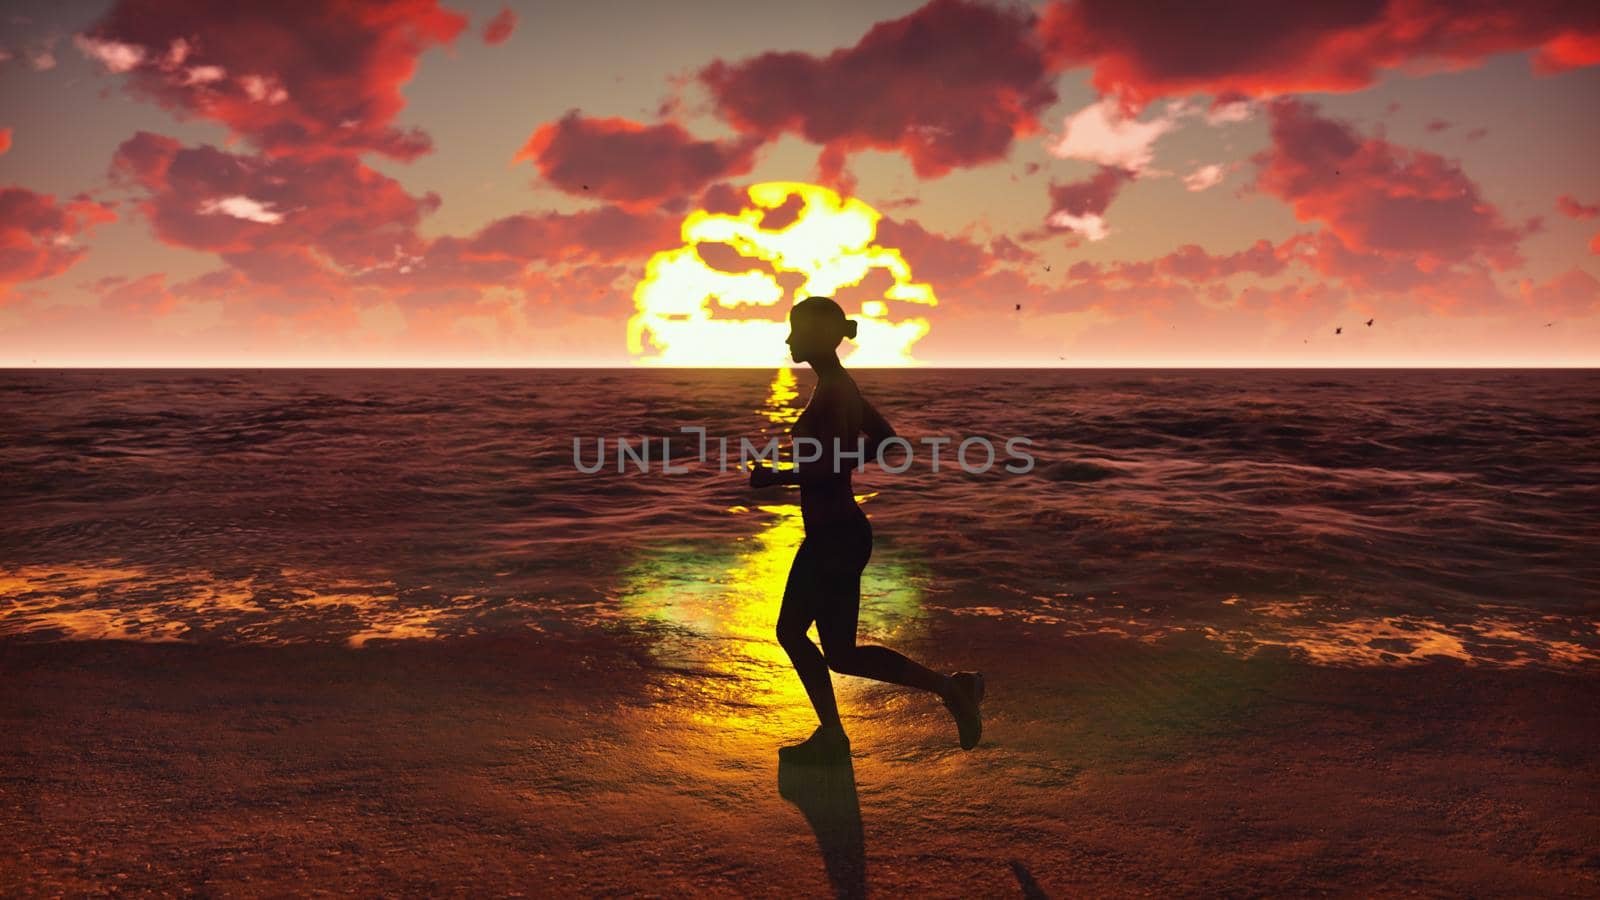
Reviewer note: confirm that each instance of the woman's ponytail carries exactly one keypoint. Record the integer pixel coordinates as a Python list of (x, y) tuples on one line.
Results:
[(850, 328)]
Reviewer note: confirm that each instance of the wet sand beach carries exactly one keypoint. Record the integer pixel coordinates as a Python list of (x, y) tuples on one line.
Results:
[(587, 767)]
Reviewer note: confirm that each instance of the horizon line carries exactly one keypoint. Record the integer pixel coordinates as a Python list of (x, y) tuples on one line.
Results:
[(638, 368)]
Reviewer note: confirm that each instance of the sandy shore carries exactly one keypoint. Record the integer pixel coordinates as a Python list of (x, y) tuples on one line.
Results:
[(538, 765)]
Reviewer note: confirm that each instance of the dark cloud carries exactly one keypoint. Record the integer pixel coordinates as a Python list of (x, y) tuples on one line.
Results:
[(37, 235), (295, 231), (606, 234), (945, 261), (630, 163), (1080, 206), (1572, 293), (950, 85), (1092, 195), (1193, 263), (1190, 262), (1380, 198), (498, 29), (1008, 250), (1267, 47), (1572, 209), (209, 199), (292, 77)]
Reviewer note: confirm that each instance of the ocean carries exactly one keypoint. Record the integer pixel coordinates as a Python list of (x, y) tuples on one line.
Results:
[(1348, 518)]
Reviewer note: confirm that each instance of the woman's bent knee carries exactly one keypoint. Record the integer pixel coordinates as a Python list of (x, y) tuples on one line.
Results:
[(791, 637)]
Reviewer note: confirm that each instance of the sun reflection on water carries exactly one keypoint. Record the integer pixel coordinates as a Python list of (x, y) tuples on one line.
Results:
[(780, 408)]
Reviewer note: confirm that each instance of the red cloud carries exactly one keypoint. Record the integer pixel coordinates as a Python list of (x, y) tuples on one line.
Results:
[(146, 296), (629, 163), (952, 84), (283, 281), (1266, 47), (36, 235), (498, 30), (307, 78), (1467, 287), (1328, 255), (297, 233), (1005, 249), (1292, 301), (607, 234), (946, 262), (1380, 198), (1464, 288), (1092, 195), (576, 255), (5, 140), (1192, 263), (1081, 205), (1145, 300), (969, 277), (1575, 210), (1572, 293), (593, 290), (723, 199), (209, 199)]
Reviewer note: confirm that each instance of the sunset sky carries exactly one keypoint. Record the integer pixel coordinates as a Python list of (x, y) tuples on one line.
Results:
[(1076, 183)]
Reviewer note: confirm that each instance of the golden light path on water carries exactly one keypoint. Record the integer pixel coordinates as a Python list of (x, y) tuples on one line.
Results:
[(692, 313), (727, 600), (124, 602)]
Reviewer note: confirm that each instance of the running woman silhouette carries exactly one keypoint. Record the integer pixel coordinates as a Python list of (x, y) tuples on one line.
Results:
[(825, 579)]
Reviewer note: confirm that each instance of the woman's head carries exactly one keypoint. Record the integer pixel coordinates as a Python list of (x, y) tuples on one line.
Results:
[(816, 326)]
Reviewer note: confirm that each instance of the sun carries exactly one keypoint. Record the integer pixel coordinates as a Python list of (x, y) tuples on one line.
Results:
[(692, 313)]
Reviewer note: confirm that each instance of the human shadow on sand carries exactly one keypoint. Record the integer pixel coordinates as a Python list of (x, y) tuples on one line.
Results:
[(826, 795)]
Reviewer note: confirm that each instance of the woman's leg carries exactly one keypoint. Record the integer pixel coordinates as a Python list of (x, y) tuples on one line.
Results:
[(836, 625), (825, 586), (801, 600), (883, 664), (961, 692)]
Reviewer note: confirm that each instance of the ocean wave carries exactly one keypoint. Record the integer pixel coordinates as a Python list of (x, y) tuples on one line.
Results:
[(1398, 515)]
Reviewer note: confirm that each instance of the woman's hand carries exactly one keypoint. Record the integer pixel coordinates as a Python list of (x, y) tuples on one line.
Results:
[(761, 476)]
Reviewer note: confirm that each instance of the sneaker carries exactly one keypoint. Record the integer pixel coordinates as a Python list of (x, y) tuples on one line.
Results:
[(963, 704)]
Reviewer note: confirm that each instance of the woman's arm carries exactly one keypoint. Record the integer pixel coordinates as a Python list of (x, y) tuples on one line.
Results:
[(877, 428)]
